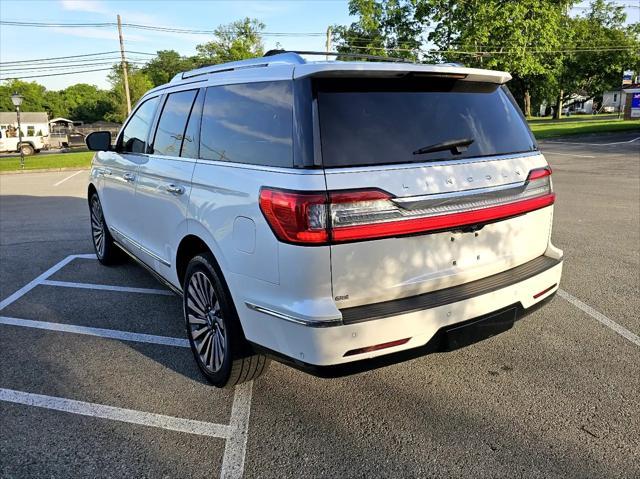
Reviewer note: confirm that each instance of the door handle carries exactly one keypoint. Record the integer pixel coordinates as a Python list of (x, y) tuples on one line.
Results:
[(104, 171), (174, 189), (129, 177)]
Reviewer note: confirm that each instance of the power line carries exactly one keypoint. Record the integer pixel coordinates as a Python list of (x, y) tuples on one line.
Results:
[(47, 60), (64, 67), (59, 58), (55, 74), (139, 26)]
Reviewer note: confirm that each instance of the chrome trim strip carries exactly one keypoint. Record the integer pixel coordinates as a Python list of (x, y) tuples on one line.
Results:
[(461, 193), (292, 319), (339, 170), (149, 269), (139, 246)]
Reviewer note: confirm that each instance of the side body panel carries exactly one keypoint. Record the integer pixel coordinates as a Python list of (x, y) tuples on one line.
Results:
[(291, 280)]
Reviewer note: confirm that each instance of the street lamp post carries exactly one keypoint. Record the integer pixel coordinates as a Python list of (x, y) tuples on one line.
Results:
[(16, 99)]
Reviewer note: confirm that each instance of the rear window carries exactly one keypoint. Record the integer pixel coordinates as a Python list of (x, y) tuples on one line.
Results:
[(374, 122)]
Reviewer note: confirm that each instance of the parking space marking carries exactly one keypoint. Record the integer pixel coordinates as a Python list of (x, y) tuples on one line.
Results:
[(99, 332), (106, 287), (593, 144), (132, 416), (32, 284), (235, 433), (598, 316), (68, 178), (546, 152), (236, 446)]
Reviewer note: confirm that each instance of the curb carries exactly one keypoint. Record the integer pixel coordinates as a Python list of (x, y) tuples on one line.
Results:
[(44, 170)]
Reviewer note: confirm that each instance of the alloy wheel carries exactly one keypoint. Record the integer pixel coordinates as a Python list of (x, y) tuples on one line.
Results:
[(205, 323), (97, 226)]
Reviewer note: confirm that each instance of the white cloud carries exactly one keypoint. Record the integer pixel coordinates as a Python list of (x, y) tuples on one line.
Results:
[(92, 6)]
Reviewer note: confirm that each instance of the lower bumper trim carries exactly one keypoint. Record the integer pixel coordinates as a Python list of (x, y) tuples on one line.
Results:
[(450, 295)]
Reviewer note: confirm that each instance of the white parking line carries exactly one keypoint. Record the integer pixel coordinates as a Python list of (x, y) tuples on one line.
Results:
[(593, 144), (598, 316), (235, 433), (32, 284), (546, 152), (236, 446), (99, 332), (106, 287), (67, 178), (131, 416)]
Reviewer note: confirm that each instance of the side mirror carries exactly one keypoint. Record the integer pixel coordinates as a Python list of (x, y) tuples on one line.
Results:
[(99, 141)]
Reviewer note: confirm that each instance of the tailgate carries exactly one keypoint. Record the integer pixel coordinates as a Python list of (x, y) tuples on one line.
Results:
[(377, 270)]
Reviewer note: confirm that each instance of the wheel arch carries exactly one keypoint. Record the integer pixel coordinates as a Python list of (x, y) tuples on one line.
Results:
[(91, 189), (192, 245)]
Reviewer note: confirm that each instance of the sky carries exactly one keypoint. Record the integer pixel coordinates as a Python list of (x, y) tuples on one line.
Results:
[(279, 16), (23, 43)]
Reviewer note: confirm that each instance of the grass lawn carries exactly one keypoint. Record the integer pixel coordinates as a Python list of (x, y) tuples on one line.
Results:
[(80, 159), (541, 129), (567, 127)]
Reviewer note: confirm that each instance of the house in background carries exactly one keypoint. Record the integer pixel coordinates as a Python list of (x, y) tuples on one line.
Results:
[(611, 101), (33, 123)]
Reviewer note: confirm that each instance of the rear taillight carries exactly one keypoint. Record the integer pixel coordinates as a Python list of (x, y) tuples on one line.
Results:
[(296, 217), (315, 218)]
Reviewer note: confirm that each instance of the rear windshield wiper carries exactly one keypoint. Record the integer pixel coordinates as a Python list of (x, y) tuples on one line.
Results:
[(455, 146)]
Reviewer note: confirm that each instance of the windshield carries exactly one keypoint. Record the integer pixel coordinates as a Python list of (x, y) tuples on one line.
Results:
[(375, 122)]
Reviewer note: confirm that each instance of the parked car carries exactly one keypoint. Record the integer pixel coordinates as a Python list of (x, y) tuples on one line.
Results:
[(28, 146), (335, 216)]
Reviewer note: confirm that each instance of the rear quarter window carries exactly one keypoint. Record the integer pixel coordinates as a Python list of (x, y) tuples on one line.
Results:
[(379, 122), (248, 123)]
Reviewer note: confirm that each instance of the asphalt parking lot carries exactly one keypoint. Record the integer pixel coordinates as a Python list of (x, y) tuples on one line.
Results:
[(96, 381)]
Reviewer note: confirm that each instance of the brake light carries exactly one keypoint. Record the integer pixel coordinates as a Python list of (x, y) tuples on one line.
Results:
[(296, 217), (316, 218)]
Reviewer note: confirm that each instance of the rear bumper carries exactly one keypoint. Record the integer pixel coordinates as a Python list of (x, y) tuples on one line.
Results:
[(492, 305)]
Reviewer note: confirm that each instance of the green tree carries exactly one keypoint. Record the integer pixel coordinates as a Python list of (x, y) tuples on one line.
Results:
[(236, 41), (85, 102), (166, 65), (601, 47), (383, 28), (139, 84), (35, 96)]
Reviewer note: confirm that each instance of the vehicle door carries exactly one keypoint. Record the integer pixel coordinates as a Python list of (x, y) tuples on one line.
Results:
[(117, 171), (164, 180)]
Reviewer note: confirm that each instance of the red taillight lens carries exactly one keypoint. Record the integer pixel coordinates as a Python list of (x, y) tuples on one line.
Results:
[(295, 217), (338, 216)]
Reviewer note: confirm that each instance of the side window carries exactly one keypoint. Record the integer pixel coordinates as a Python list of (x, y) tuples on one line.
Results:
[(191, 142), (173, 122), (248, 123), (134, 135)]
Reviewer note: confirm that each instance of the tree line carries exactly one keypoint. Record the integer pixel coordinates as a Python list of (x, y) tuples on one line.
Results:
[(550, 53), (88, 103)]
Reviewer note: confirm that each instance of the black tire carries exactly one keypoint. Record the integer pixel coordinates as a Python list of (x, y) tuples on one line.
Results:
[(106, 250), (213, 328), (26, 149)]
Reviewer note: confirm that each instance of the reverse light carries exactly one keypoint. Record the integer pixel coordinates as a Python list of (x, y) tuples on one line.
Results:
[(315, 218)]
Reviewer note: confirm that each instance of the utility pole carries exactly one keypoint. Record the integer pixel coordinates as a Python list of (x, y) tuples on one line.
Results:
[(124, 66), (328, 44)]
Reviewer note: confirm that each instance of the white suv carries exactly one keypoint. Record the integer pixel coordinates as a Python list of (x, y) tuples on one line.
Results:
[(336, 216)]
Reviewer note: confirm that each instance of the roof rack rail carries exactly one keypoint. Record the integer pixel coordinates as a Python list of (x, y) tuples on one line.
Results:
[(271, 53), (286, 58)]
